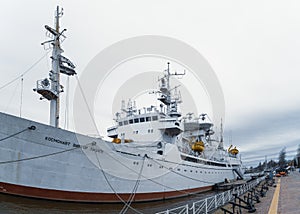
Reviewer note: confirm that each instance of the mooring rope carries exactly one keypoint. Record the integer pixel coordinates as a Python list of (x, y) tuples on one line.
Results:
[(112, 188), (28, 128), (132, 195)]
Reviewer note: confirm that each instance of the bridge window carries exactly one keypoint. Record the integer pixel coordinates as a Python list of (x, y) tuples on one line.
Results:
[(131, 121), (154, 118), (126, 122), (136, 120), (142, 119), (120, 123), (148, 119)]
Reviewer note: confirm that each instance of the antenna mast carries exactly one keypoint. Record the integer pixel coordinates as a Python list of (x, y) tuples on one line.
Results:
[(221, 145), (55, 77), (166, 96), (50, 88)]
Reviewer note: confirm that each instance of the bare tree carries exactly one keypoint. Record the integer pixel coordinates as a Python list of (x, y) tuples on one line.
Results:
[(298, 156), (282, 156)]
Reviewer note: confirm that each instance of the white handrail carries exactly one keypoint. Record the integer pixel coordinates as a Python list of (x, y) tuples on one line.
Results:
[(213, 202)]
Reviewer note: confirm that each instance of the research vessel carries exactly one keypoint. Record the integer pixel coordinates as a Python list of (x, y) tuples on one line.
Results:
[(154, 153)]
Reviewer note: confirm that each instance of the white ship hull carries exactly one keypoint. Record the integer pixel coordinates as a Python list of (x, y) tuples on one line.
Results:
[(49, 163)]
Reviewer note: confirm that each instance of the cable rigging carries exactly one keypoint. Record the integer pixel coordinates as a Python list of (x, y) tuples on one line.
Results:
[(21, 101), (37, 157), (94, 123), (208, 182), (66, 125), (10, 136), (25, 72), (153, 181), (132, 195), (12, 97), (115, 192)]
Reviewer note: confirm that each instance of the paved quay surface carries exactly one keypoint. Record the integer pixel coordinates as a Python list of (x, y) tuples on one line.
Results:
[(289, 196), (265, 202), (282, 199)]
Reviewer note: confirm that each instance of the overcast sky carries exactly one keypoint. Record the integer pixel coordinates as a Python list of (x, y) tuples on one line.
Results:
[(253, 47)]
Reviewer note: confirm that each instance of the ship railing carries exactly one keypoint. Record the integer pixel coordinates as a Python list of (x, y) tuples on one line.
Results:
[(178, 210), (212, 203)]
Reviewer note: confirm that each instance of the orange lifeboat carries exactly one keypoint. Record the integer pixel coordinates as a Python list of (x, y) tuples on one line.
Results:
[(198, 146), (118, 140), (233, 151)]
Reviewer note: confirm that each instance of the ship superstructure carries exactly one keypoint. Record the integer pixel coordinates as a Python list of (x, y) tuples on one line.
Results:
[(151, 123)]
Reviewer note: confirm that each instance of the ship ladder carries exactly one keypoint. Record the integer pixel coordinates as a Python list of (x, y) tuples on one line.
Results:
[(238, 172)]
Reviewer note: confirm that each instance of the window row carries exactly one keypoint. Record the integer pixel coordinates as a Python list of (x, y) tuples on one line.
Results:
[(136, 131), (206, 172), (185, 170), (138, 120)]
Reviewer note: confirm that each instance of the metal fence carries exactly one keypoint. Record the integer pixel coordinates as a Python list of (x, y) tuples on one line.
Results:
[(212, 203)]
